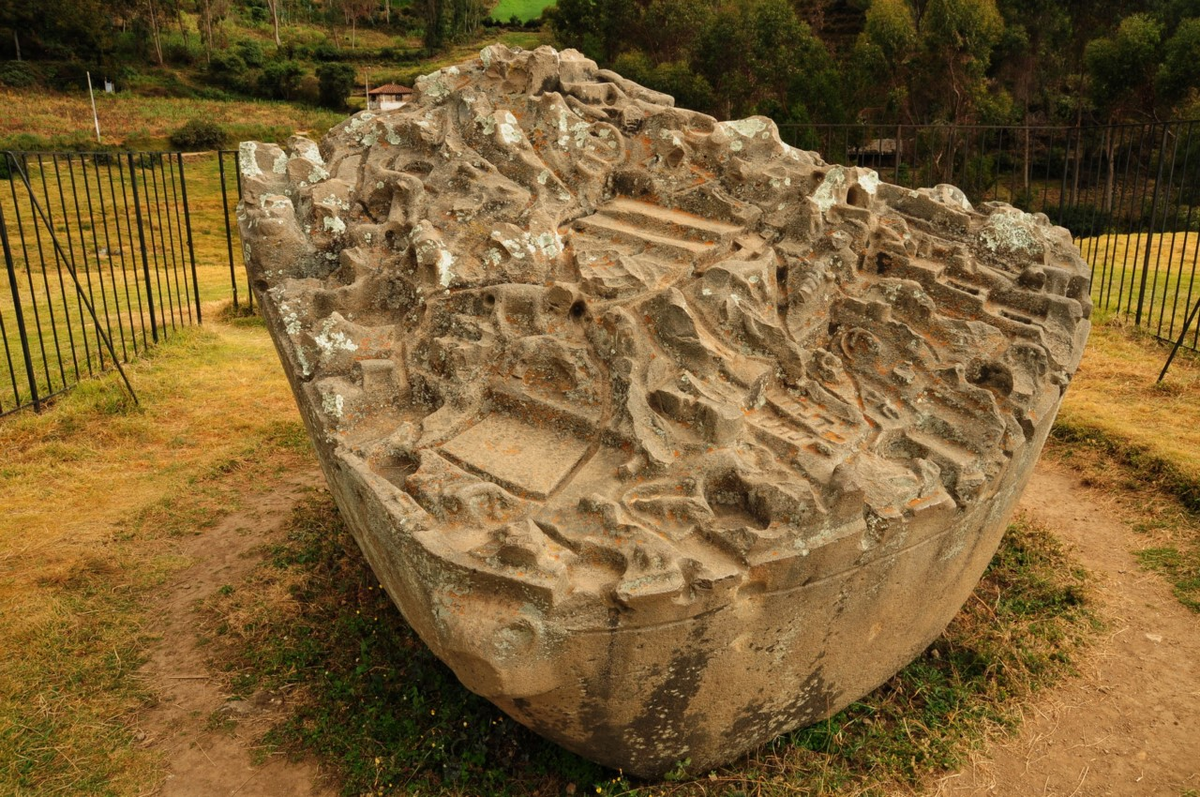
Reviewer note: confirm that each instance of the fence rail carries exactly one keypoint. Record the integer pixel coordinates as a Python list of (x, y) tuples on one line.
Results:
[(100, 265), (1130, 194)]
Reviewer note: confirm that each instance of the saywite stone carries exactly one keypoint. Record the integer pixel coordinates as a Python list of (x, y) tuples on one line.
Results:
[(666, 436)]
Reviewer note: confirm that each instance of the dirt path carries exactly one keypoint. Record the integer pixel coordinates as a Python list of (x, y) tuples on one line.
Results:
[(208, 739), (1130, 725)]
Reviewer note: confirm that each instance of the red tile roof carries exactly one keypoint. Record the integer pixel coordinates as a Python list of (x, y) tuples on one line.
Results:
[(390, 88)]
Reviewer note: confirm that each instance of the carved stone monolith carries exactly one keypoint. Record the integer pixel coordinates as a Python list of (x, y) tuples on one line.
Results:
[(666, 436)]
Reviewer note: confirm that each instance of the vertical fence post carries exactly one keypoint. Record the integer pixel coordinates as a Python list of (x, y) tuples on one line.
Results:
[(137, 212), (1137, 319), (187, 220), (228, 231), (16, 294)]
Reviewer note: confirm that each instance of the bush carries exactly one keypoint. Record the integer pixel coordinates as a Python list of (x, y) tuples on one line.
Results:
[(227, 68), (1083, 220), (336, 82), (17, 74), (251, 52), (197, 135), (281, 80)]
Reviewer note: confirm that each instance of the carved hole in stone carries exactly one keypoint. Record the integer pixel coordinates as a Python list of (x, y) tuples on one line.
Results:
[(578, 309), (993, 376), (396, 468), (675, 157), (883, 261), (1033, 278), (261, 286), (730, 501), (489, 300), (323, 303), (858, 197)]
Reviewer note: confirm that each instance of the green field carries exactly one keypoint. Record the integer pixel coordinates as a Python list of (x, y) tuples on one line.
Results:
[(523, 10)]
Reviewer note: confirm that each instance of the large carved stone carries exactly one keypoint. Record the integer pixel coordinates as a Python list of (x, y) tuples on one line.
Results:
[(665, 436)]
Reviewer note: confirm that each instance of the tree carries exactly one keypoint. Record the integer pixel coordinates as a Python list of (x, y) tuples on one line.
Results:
[(883, 53), (273, 7), (1178, 73), (335, 82), (448, 21), (281, 80), (1121, 68), (959, 36), (212, 13), (354, 11)]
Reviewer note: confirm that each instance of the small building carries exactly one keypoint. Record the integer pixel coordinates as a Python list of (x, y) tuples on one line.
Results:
[(387, 97)]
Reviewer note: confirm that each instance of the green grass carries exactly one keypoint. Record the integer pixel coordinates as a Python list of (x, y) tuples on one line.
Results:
[(523, 10), (375, 705)]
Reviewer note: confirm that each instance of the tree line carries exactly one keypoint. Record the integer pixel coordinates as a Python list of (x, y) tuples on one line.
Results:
[(902, 61), (826, 61)]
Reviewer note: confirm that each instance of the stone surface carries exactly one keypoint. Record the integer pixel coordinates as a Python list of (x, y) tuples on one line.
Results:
[(667, 437)]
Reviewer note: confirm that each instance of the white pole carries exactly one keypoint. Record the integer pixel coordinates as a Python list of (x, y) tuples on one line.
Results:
[(95, 118)]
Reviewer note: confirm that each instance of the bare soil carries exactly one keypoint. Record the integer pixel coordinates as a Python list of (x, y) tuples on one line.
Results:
[(1127, 726), (208, 736)]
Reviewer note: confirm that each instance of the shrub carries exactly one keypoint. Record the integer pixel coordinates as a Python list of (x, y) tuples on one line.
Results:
[(251, 52), (227, 68), (336, 82), (197, 135), (1083, 219), (280, 80), (17, 74)]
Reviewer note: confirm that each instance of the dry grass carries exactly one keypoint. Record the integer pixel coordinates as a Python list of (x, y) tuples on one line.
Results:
[(125, 118), (1139, 441), (1115, 392), (94, 493)]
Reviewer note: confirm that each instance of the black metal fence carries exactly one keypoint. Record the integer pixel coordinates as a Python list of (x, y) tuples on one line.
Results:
[(1130, 194), (99, 264)]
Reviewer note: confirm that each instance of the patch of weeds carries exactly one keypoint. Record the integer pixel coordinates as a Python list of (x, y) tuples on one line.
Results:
[(1181, 568), (241, 316), (378, 708)]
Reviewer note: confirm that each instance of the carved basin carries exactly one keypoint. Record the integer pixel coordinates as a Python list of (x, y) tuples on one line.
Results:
[(665, 436)]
